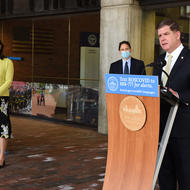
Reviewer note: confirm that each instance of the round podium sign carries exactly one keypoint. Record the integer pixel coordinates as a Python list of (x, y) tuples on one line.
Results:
[(132, 113)]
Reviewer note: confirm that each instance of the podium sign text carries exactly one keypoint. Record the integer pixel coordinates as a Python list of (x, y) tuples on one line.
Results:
[(139, 85)]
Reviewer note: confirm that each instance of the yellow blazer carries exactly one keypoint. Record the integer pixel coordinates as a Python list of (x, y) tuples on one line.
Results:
[(6, 76)]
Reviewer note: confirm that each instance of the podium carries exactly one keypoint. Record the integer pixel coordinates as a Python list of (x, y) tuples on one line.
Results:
[(168, 97), (133, 108)]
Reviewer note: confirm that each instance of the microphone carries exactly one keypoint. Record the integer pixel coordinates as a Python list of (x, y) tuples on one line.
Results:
[(150, 65), (159, 64)]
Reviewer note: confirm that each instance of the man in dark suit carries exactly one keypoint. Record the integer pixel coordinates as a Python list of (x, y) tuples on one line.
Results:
[(128, 64), (175, 168)]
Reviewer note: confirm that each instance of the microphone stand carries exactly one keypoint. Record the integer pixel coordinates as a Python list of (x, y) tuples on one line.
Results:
[(167, 95)]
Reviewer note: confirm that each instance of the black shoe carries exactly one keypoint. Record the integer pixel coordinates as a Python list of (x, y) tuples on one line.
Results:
[(1, 166)]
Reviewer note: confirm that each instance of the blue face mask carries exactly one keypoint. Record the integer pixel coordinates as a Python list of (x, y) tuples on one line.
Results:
[(125, 54)]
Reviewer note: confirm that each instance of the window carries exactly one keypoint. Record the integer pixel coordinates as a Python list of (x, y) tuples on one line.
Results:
[(3, 6), (46, 4), (62, 4), (55, 4), (10, 6), (185, 11), (31, 5)]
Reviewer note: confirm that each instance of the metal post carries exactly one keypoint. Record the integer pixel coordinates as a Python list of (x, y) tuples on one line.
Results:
[(164, 141)]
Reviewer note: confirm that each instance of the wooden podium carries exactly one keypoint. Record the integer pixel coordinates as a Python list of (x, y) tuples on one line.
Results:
[(132, 150)]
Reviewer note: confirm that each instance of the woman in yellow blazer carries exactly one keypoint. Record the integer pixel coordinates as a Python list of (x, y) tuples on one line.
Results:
[(6, 77)]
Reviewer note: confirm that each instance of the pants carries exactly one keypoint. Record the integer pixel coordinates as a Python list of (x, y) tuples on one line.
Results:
[(175, 167)]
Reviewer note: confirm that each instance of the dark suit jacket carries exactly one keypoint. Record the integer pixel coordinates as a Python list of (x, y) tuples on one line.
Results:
[(179, 81), (137, 67)]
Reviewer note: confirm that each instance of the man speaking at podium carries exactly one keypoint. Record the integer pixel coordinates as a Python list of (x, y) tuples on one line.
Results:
[(175, 167), (128, 64)]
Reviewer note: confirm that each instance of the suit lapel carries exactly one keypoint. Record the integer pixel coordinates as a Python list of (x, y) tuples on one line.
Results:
[(133, 65), (178, 63), (120, 67)]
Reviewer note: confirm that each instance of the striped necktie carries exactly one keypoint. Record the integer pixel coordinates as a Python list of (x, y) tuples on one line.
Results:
[(167, 69)]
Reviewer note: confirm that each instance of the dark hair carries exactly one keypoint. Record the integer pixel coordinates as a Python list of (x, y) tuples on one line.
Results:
[(1, 50), (124, 42), (169, 22)]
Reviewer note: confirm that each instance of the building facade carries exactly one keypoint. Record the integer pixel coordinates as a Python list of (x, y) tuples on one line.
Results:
[(70, 44)]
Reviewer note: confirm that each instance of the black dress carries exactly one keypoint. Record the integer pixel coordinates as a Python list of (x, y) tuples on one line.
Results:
[(5, 124)]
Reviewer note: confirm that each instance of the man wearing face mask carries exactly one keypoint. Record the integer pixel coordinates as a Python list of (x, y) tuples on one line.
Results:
[(128, 64)]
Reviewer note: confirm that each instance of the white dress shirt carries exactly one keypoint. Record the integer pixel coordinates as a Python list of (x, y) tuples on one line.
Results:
[(175, 54)]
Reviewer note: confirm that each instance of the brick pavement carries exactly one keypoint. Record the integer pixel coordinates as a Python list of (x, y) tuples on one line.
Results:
[(48, 155)]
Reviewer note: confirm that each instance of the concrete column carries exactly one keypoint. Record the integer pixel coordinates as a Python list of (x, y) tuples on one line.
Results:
[(119, 20)]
